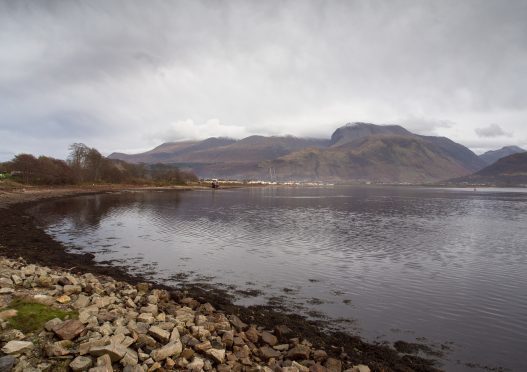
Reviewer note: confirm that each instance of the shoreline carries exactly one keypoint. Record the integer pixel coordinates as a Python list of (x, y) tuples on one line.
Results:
[(22, 238)]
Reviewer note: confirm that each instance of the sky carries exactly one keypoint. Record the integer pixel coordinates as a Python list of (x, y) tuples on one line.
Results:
[(130, 75)]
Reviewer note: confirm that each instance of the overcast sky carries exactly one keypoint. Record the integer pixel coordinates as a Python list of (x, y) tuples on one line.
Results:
[(129, 75)]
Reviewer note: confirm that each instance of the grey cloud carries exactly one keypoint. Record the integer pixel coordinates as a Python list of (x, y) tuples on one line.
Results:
[(130, 74), (492, 130)]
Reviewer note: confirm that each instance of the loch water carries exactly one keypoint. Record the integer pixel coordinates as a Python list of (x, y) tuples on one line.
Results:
[(446, 267)]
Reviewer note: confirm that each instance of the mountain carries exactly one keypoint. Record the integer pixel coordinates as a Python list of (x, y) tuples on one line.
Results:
[(373, 153), (508, 171), (355, 152), (492, 156)]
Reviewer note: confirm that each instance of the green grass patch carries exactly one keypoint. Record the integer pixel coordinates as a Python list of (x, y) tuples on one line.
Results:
[(32, 316)]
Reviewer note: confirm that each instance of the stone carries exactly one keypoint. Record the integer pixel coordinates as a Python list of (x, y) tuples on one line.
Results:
[(81, 363), (84, 348), (59, 348), (6, 283), (146, 340), (217, 355), (72, 289), (6, 363), (7, 314), (115, 351), (150, 308), (188, 353), (142, 287), (204, 346), (317, 368), (130, 358), (169, 350), (282, 347), (174, 335), (136, 368), (269, 338), (299, 352), (252, 335), (44, 281), (159, 334), (105, 361), (299, 367), (333, 365), (228, 339), (17, 347), (237, 323), (43, 299), (197, 364), (146, 318), (6, 290), (69, 329), (50, 324), (320, 355), (282, 330), (64, 299), (360, 368), (267, 352), (16, 280), (81, 302)]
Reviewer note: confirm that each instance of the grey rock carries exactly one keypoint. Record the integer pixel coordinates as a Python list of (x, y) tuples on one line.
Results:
[(6, 363), (115, 351), (50, 324)]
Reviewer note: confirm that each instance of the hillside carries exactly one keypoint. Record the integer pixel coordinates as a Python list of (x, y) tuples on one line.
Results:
[(492, 156), (355, 152), (508, 171)]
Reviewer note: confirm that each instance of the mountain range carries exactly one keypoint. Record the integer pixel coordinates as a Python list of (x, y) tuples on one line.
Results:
[(508, 171), (493, 156), (356, 152)]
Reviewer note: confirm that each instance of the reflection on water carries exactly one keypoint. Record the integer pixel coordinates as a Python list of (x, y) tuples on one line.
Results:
[(392, 263)]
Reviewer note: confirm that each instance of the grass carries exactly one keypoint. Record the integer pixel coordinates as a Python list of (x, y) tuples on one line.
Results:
[(32, 316)]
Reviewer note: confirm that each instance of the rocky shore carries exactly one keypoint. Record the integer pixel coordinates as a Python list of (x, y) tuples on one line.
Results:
[(110, 325), (24, 244)]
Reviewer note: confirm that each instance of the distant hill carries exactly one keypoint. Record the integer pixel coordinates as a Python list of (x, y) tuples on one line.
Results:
[(494, 155), (508, 171), (355, 152)]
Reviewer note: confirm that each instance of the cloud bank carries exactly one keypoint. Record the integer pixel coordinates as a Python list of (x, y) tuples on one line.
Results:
[(130, 74)]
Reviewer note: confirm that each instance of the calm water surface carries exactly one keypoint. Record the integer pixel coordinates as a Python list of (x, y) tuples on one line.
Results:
[(448, 267)]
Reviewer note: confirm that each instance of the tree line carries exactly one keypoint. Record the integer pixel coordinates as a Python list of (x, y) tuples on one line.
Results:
[(87, 165)]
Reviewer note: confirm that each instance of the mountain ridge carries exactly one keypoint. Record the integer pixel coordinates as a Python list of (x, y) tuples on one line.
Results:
[(508, 171), (359, 151), (492, 156)]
